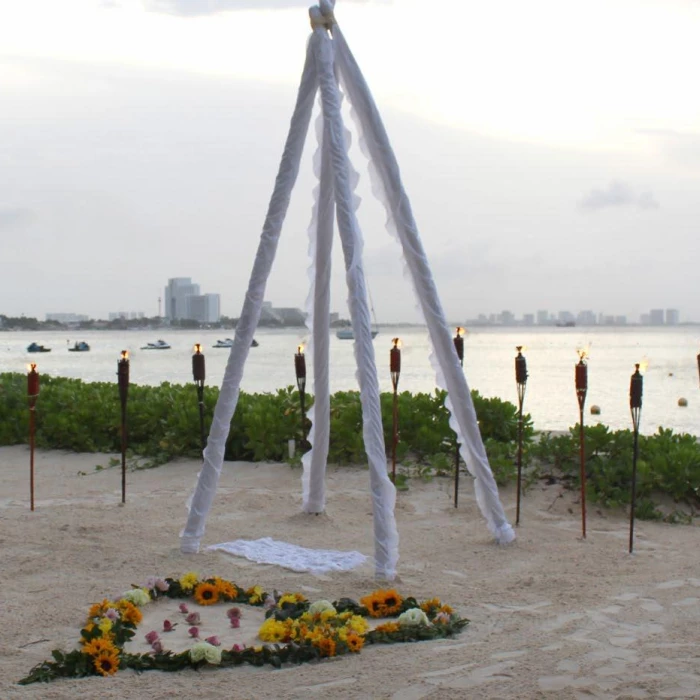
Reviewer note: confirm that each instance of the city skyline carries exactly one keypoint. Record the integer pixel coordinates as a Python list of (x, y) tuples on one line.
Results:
[(128, 162)]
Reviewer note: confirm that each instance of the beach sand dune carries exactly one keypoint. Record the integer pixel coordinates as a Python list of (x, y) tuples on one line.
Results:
[(552, 616)]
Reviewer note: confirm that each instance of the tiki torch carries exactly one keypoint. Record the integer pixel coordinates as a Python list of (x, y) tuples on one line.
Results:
[(123, 377), (300, 368), (581, 389), (521, 381), (198, 374), (458, 341), (698, 358), (636, 389), (33, 393), (395, 369)]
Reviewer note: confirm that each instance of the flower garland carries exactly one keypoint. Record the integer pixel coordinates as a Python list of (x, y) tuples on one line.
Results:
[(295, 630)]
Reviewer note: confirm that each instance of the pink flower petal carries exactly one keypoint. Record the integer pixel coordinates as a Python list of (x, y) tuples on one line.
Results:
[(213, 640), (168, 626), (193, 619), (184, 608), (152, 636), (235, 622), (194, 631), (157, 647)]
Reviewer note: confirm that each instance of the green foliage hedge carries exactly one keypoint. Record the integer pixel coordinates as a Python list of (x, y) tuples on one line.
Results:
[(163, 421)]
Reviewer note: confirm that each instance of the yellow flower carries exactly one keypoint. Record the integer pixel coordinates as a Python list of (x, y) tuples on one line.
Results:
[(105, 625), (446, 609), (107, 663), (358, 624), (255, 595), (291, 598), (206, 593), (189, 581), (327, 615), (273, 631)]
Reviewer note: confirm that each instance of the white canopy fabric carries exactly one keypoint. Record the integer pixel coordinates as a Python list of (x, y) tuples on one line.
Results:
[(328, 60)]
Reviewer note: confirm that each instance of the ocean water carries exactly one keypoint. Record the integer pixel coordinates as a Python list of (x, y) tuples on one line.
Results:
[(550, 397)]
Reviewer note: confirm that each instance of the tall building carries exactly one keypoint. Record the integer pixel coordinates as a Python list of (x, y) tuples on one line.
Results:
[(543, 318), (656, 317), (205, 308), (177, 292), (66, 317), (586, 318), (672, 317)]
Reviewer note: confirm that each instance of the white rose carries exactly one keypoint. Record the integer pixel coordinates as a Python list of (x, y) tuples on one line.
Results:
[(137, 596), (321, 606), (413, 618), (206, 651)]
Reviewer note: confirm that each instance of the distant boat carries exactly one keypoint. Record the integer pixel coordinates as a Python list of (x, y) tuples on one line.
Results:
[(566, 324), (35, 347), (81, 346), (158, 345), (228, 343), (349, 334)]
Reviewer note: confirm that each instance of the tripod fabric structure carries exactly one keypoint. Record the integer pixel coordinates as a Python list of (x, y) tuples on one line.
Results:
[(328, 61)]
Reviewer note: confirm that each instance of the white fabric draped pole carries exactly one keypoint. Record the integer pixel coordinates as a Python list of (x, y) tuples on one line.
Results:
[(386, 536), (450, 375), (208, 480), (318, 321)]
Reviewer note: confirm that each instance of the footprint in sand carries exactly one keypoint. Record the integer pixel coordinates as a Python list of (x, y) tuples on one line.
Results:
[(671, 584)]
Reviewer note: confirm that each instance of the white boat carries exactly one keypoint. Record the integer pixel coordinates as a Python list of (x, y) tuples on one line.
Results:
[(349, 334), (158, 345), (228, 343)]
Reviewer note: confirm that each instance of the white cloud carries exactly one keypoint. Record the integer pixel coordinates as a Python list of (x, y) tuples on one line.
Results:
[(618, 194)]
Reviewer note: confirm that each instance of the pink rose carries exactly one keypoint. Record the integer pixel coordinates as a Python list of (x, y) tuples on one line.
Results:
[(184, 608), (157, 647), (194, 632), (235, 622), (152, 636), (168, 626), (193, 619), (233, 612), (235, 647), (213, 640)]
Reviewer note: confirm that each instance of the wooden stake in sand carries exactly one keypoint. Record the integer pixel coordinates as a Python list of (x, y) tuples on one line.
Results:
[(636, 389), (123, 377), (300, 370), (581, 389), (521, 381), (33, 392)]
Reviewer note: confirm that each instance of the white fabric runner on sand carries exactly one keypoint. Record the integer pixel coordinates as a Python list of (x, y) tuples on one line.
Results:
[(291, 556)]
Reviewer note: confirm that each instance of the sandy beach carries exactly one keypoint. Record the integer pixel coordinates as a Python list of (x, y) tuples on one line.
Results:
[(552, 616)]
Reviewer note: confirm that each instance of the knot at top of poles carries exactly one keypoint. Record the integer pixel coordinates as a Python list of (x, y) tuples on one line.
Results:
[(321, 15)]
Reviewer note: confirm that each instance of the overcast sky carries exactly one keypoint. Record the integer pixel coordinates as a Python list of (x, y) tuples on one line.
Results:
[(551, 151)]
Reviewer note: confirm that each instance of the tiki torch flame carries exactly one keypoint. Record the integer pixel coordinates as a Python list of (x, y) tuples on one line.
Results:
[(460, 331), (125, 354), (300, 349), (396, 342)]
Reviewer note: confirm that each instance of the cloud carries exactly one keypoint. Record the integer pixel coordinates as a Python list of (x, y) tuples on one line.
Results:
[(198, 8), (11, 217), (618, 194)]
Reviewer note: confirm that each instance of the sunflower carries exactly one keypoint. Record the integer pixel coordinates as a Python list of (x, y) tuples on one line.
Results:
[(355, 642), (107, 663), (429, 607), (206, 593), (255, 595), (227, 590), (387, 627), (130, 613), (293, 598), (99, 645), (392, 602), (326, 646)]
